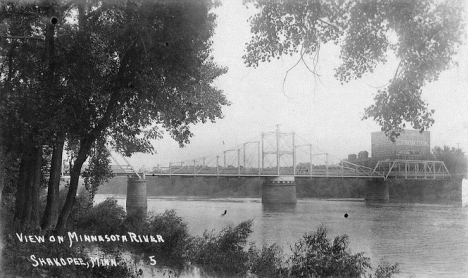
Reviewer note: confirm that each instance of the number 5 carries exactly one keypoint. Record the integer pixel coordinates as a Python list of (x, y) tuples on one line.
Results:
[(152, 260)]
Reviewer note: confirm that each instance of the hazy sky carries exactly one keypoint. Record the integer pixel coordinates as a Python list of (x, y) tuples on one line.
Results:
[(320, 110)]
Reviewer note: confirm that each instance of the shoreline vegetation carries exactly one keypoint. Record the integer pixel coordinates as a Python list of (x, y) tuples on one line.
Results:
[(226, 253)]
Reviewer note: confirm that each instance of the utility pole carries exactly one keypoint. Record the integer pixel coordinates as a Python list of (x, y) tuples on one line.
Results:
[(278, 136), (310, 157), (238, 162), (263, 151), (294, 153), (259, 154), (244, 156)]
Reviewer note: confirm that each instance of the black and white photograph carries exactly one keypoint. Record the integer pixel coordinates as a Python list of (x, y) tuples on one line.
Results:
[(233, 138)]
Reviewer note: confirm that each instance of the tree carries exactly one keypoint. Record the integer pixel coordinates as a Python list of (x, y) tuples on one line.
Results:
[(314, 255), (128, 70), (157, 69), (427, 33), (25, 103), (454, 158)]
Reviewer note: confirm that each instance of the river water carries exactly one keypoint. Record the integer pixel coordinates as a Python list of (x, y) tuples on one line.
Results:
[(427, 240)]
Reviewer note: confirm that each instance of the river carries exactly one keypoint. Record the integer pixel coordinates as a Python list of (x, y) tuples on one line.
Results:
[(427, 240)]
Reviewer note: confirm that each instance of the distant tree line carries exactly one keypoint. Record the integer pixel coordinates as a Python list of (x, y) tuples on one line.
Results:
[(455, 159)]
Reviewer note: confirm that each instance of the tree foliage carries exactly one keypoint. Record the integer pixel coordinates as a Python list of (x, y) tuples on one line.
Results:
[(314, 255), (222, 253), (267, 262), (118, 72), (98, 170), (422, 34), (454, 158)]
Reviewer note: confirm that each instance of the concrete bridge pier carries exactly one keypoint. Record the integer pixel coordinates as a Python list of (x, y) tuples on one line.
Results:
[(279, 190), (136, 195), (377, 190)]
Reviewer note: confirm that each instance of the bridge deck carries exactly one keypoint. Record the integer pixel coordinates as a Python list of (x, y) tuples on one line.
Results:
[(407, 169)]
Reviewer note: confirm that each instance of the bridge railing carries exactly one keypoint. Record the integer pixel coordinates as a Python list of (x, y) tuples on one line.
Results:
[(408, 169)]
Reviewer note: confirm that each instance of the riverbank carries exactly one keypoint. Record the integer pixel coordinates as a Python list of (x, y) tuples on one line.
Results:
[(106, 235)]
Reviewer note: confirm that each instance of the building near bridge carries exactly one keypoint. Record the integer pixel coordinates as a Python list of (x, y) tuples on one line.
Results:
[(363, 155), (411, 144)]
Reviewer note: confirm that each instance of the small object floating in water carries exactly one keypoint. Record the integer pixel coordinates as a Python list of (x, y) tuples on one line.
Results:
[(225, 211), (345, 215)]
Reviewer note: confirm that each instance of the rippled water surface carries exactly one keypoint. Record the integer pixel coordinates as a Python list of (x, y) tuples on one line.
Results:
[(428, 240)]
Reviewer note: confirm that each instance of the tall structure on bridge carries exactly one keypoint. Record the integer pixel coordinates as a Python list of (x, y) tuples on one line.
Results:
[(279, 189)]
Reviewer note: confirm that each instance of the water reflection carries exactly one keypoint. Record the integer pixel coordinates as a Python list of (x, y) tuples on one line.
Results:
[(274, 224), (267, 209)]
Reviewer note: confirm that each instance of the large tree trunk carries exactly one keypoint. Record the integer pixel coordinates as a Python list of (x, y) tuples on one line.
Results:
[(50, 214), (28, 188), (27, 192), (19, 196), (3, 163), (35, 185), (21, 187), (49, 218), (85, 142), (85, 147)]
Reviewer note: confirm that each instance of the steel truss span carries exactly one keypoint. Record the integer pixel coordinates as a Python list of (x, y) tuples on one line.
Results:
[(413, 169)]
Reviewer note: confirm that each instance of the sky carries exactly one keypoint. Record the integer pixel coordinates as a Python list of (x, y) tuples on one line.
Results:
[(320, 110)]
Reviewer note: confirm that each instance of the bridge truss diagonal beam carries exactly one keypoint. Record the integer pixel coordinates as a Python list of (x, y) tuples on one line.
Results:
[(413, 169)]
